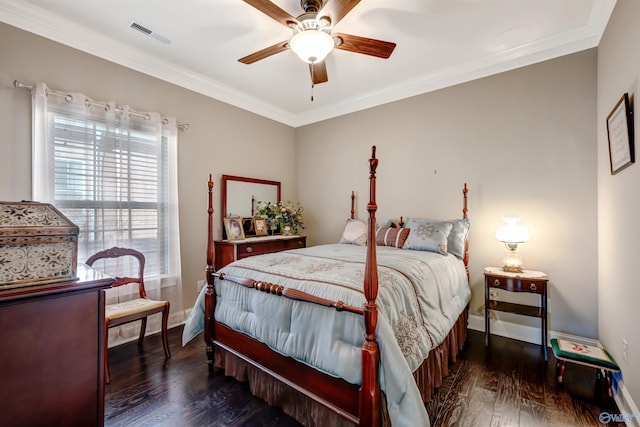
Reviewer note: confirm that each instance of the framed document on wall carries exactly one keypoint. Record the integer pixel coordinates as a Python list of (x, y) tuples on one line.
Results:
[(620, 134)]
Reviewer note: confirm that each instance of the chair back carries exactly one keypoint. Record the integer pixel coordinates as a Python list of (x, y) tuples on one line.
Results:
[(117, 252)]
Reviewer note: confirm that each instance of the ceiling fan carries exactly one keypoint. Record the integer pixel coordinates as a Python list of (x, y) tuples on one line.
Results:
[(312, 40)]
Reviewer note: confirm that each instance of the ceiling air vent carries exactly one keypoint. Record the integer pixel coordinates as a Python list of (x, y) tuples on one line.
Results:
[(140, 28), (144, 30)]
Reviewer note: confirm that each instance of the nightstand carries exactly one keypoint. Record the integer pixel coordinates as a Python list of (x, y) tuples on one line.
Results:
[(534, 282)]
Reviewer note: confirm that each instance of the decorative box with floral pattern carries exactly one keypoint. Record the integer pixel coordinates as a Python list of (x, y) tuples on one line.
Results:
[(38, 244)]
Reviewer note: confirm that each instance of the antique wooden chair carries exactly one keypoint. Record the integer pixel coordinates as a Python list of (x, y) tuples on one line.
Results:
[(136, 309)]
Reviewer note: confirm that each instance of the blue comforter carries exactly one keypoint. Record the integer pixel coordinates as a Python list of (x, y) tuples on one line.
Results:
[(421, 295)]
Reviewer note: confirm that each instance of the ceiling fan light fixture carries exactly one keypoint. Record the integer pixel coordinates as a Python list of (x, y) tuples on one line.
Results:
[(312, 45)]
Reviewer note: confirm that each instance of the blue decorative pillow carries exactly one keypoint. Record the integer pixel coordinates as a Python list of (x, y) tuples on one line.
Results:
[(428, 235), (458, 237)]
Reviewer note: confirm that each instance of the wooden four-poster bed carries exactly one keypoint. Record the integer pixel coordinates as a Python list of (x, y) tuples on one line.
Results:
[(310, 392)]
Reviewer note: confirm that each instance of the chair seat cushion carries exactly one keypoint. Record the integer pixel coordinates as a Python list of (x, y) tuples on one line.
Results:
[(581, 353), (122, 309)]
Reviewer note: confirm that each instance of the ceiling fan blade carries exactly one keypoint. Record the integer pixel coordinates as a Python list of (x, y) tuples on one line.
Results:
[(337, 9), (318, 72), (270, 9), (364, 45), (264, 53)]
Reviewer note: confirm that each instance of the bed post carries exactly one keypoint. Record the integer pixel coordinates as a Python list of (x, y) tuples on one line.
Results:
[(353, 204), (369, 407), (210, 296), (465, 190)]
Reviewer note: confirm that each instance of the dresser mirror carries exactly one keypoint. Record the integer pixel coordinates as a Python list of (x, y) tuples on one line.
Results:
[(240, 196)]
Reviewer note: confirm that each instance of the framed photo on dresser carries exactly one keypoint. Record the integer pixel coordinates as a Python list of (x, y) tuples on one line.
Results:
[(233, 227), (247, 226), (260, 226)]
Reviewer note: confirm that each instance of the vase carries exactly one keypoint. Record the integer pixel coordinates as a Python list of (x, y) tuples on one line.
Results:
[(287, 231), (273, 230)]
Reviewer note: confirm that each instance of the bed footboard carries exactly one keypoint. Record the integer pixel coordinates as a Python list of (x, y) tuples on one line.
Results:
[(429, 376)]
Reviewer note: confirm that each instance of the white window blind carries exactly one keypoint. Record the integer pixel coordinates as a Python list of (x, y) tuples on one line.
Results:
[(111, 182)]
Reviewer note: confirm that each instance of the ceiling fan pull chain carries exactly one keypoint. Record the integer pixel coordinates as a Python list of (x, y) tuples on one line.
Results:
[(312, 82)]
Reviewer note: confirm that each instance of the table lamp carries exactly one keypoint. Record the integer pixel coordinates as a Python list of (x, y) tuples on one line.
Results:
[(511, 233)]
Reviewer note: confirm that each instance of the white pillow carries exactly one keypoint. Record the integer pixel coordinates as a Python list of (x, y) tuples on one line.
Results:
[(355, 233)]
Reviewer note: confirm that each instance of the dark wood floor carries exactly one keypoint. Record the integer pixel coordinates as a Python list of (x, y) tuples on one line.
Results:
[(506, 385)]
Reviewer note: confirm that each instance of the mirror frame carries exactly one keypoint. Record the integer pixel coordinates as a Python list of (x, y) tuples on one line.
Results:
[(227, 178)]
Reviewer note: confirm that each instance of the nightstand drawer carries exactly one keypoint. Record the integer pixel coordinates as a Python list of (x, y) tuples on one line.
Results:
[(517, 285)]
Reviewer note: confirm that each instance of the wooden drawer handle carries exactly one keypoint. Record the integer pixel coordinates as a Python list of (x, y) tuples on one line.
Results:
[(496, 282), (299, 243), (533, 287), (249, 249)]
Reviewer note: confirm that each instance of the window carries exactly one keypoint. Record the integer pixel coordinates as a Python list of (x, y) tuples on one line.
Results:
[(113, 173)]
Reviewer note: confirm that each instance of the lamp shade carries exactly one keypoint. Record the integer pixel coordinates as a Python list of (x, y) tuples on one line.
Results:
[(311, 45), (512, 231)]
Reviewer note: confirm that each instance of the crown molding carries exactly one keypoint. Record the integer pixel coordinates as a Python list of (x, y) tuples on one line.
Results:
[(585, 37), (53, 27)]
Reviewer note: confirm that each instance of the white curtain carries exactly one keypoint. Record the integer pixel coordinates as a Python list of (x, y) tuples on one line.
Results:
[(113, 172)]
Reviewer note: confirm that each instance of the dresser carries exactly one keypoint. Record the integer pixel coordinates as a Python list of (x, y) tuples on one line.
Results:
[(51, 352), (228, 251)]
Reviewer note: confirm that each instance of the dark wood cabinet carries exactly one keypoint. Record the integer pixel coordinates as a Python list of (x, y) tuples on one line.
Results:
[(51, 354), (228, 251)]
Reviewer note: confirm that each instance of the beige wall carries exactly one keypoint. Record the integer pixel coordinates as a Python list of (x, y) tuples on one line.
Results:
[(218, 135), (619, 199), (524, 141)]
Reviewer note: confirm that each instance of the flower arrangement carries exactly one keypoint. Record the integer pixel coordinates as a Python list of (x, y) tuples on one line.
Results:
[(288, 216)]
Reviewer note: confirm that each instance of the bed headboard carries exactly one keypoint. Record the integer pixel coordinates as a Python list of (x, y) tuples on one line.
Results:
[(465, 210)]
